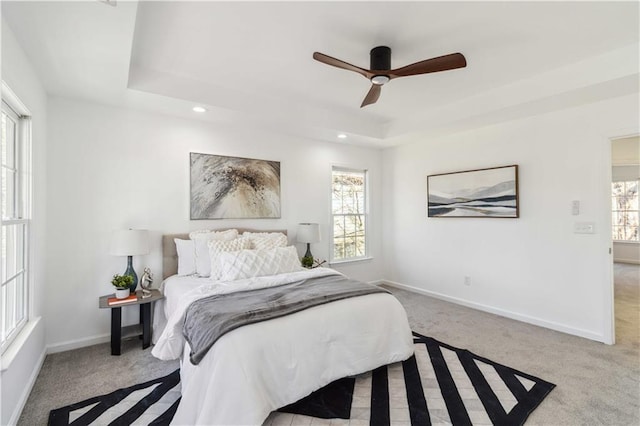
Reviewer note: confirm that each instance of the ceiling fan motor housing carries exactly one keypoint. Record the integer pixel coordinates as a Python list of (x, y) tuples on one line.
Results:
[(380, 58)]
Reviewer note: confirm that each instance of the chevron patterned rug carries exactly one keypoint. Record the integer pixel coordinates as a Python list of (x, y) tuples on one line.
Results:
[(440, 384)]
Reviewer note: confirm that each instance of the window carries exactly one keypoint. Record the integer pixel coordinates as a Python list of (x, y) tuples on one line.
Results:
[(349, 214), (15, 165), (625, 210)]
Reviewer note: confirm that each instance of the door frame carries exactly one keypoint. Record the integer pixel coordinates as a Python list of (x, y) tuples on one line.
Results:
[(609, 326)]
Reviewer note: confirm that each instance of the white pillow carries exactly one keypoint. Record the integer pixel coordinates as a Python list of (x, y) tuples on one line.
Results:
[(186, 250), (218, 247), (229, 234), (266, 240), (201, 239), (261, 234), (238, 265)]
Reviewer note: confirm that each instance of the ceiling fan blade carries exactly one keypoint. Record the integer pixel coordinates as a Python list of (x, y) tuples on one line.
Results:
[(441, 63), (321, 57), (372, 95)]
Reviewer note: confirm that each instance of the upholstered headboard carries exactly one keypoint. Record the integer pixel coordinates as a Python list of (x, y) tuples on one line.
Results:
[(170, 255)]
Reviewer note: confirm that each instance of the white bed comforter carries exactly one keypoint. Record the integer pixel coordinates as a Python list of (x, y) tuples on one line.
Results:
[(261, 367)]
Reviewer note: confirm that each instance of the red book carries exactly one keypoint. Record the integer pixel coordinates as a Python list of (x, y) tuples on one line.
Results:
[(116, 301)]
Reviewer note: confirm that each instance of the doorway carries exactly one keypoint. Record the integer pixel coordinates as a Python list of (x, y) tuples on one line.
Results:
[(625, 212)]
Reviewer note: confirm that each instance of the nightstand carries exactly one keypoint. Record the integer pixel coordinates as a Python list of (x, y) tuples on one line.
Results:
[(143, 329)]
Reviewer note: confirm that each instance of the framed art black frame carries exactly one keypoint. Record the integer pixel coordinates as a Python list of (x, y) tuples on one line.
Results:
[(490, 192)]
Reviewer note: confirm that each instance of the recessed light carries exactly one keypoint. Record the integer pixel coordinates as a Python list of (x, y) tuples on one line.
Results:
[(199, 109), (342, 136)]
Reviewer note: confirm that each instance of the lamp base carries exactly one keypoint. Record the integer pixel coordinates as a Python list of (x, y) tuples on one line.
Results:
[(130, 271), (307, 260)]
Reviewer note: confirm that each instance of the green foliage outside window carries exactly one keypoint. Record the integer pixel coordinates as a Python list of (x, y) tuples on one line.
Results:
[(349, 208)]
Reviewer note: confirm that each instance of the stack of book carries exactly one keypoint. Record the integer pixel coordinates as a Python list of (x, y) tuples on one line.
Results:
[(115, 301)]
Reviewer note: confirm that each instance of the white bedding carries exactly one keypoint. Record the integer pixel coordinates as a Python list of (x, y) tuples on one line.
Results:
[(172, 288), (258, 368)]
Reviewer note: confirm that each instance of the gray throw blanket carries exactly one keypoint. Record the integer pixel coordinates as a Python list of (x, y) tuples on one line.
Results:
[(209, 318)]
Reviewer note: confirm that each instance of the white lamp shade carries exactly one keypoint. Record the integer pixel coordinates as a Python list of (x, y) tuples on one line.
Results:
[(129, 242), (308, 233)]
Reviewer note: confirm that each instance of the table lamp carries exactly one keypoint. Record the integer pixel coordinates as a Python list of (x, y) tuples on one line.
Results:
[(308, 233), (130, 242)]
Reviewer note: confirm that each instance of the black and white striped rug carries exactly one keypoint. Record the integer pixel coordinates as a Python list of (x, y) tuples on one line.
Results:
[(440, 384)]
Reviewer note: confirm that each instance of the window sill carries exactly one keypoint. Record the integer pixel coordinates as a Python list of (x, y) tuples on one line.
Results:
[(346, 261), (14, 348), (626, 242)]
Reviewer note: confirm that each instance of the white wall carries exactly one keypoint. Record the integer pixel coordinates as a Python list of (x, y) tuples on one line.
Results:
[(532, 268), (626, 151), (21, 368), (114, 168)]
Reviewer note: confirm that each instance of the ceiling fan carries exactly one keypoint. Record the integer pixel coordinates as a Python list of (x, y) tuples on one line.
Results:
[(381, 72)]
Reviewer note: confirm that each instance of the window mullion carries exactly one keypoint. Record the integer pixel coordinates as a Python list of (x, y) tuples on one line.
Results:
[(11, 221)]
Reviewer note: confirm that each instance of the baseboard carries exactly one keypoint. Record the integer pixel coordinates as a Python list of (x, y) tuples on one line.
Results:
[(27, 390), (503, 313), (78, 343), (632, 261)]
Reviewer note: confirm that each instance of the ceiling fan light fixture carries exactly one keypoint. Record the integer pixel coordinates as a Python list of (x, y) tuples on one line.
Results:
[(380, 79)]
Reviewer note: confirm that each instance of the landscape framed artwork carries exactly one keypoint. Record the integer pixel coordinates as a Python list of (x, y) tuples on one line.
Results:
[(491, 192), (233, 187)]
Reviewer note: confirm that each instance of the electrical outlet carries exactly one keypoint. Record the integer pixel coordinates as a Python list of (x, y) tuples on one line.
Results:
[(467, 280)]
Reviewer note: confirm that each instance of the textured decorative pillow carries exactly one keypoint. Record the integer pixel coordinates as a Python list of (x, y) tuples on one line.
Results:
[(238, 265), (201, 239), (229, 234), (261, 234), (186, 250), (218, 247), (266, 240)]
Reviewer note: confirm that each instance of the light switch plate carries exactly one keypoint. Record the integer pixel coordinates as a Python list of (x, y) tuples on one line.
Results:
[(575, 207), (584, 228)]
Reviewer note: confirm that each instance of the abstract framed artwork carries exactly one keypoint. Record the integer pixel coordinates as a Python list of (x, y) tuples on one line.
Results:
[(233, 187), (491, 192)]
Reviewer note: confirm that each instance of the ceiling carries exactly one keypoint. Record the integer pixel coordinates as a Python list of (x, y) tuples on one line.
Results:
[(252, 61)]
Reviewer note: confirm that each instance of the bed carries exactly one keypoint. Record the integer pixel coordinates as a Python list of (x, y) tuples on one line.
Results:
[(260, 367)]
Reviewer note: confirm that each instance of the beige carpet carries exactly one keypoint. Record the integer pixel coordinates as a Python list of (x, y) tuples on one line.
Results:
[(596, 384)]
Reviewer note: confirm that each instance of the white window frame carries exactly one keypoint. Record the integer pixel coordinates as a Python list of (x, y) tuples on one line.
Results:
[(332, 259), (613, 224), (21, 215)]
